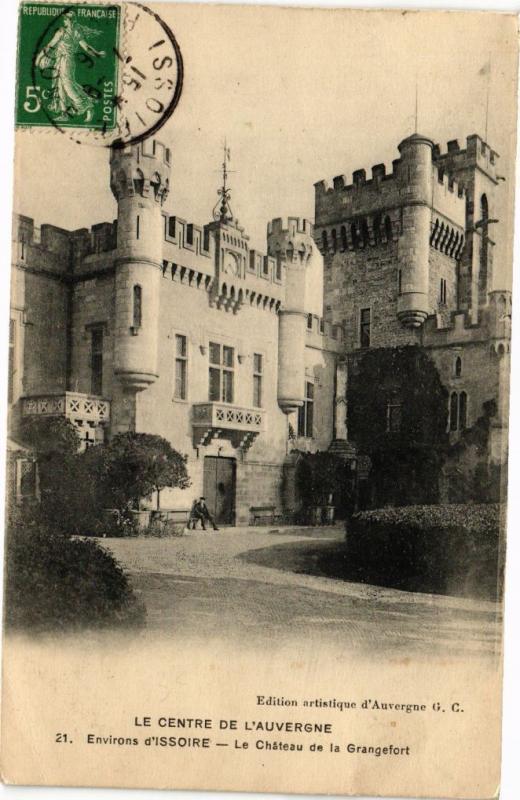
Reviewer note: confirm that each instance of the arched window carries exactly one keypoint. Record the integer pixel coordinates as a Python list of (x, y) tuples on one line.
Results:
[(324, 241), (484, 216), (454, 411), (138, 182), (388, 229), (377, 228), (334, 240), (343, 233), (458, 367), (138, 306), (365, 235), (463, 411), (354, 235), (484, 209)]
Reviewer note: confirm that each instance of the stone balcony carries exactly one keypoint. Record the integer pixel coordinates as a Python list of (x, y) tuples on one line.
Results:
[(222, 420), (89, 413)]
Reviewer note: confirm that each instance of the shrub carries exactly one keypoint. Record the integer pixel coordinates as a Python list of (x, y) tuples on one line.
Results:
[(321, 474), (442, 548), (161, 528), (54, 582)]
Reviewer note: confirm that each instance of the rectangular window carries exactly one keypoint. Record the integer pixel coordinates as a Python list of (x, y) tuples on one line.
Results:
[(181, 367), (443, 292), (393, 417), (306, 412), (364, 327), (399, 281), (26, 478), (278, 270), (265, 266), (137, 226), (96, 361), (309, 322), (221, 373), (258, 367), (138, 307), (12, 346)]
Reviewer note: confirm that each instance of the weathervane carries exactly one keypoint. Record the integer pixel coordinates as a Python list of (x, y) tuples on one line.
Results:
[(222, 211)]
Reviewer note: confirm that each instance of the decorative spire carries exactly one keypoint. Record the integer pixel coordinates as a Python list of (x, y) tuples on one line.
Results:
[(222, 211)]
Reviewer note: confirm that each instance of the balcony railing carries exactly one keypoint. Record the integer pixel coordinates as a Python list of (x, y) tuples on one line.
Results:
[(213, 420), (73, 405)]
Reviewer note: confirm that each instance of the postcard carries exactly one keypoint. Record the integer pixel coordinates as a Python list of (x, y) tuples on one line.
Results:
[(258, 400)]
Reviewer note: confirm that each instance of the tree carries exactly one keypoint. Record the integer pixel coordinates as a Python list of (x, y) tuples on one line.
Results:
[(133, 465)]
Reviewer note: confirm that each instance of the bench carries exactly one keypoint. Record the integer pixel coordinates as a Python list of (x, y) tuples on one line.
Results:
[(262, 515), (173, 514)]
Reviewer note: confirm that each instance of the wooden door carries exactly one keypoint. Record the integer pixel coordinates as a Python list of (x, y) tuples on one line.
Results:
[(219, 488)]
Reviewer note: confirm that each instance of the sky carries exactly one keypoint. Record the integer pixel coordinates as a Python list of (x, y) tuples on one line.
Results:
[(300, 95)]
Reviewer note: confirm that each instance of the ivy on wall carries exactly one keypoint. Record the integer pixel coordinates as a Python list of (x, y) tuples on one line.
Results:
[(397, 412)]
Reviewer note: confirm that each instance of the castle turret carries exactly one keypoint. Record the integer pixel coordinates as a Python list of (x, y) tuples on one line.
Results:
[(293, 246), (415, 172), (139, 179)]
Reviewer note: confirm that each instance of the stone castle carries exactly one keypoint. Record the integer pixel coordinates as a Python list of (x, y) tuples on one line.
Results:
[(240, 358)]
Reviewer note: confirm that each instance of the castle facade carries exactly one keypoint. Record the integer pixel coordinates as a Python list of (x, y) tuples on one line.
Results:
[(240, 358)]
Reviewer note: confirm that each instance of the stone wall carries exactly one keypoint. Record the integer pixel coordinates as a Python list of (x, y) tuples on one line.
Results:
[(366, 279)]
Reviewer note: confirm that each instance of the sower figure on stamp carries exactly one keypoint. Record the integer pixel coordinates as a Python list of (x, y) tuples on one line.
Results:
[(200, 511), (69, 98)]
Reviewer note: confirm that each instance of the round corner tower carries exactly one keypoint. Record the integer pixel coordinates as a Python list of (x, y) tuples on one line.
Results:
[(416, 175), (139, 179), (292, 244)]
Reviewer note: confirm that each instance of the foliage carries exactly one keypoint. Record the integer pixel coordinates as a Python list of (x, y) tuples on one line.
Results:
[(161, 528), (49, 437), (54, 582), (133, 465), (406, 460), (321, 474), (69, 495), (441, 548), (471, 478), (482, 519), (75, 488)]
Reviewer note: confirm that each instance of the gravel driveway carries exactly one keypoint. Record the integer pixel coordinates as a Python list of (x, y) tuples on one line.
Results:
[(207, 584)]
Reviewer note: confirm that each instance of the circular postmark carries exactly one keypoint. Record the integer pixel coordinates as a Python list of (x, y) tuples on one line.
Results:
[(103, 74)]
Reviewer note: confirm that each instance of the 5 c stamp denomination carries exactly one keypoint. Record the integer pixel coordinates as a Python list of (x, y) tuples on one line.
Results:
[(104, 74)]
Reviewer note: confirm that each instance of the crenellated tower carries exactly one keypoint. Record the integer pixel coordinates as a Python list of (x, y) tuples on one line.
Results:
[(476, 168), (292, 246), (139, 179)]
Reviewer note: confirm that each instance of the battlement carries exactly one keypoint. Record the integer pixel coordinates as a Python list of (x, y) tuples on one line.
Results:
[(141, 169), (359, 179), (323, 335), (290, 226), (188, 236), (366, 211), (263, 266), (49, 247), (290, 241), (476, 154), (494, 324)]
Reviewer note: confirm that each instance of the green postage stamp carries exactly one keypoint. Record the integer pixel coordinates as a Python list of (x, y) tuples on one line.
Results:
[(68, 65)]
